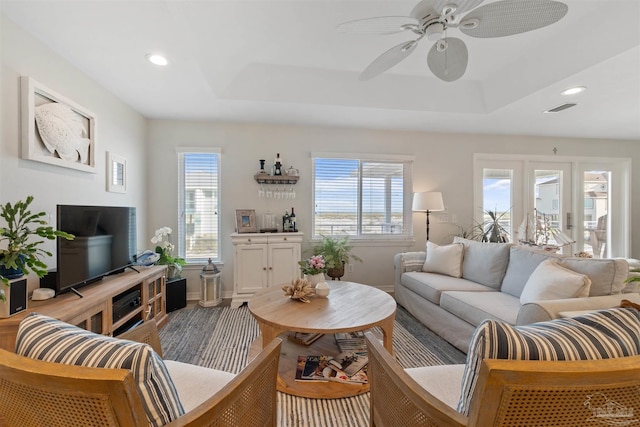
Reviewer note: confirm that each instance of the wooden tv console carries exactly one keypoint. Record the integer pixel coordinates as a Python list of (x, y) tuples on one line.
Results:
[(94, 311)]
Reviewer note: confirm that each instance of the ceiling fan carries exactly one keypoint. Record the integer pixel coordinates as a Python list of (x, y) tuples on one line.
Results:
[(448, 57)]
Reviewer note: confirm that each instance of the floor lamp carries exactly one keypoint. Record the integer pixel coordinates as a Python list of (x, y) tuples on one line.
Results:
[(428, 201)]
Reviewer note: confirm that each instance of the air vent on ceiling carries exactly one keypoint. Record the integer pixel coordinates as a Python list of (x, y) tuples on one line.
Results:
[(561, 107)]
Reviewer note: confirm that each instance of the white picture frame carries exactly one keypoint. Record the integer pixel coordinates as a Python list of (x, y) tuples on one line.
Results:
[(116, 173), (33, 95)]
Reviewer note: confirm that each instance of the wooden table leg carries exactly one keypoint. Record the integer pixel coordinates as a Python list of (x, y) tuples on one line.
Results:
[(387, 333), (268, 333)]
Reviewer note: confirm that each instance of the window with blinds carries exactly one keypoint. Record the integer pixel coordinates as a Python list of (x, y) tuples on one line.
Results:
[(199, 204), (361, 197)]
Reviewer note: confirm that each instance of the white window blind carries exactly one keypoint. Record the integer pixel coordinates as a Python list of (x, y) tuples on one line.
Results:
[(199, 190), (361, 197)]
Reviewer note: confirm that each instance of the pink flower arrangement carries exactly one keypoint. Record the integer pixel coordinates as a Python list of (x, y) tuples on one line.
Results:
[(314, 265)]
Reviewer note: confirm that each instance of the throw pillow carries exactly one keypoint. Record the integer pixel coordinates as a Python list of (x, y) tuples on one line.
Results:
[(551, 281), (483, 262), (444, 259), (44, 338), (597, 335)]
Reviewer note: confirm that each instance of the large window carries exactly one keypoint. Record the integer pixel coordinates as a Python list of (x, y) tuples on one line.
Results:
[(361, 197), (199, 204)]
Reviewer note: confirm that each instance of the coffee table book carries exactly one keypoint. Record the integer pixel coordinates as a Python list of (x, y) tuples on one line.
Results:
[(304, 338), (351, 341), (350, 362), (310, 368)]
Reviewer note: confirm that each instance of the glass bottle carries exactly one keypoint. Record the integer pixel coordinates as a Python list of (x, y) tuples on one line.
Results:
[(278, 165), (292, 221), (285, 222)]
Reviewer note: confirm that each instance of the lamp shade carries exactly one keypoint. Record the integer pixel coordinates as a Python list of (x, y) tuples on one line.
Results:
[(428, 201)]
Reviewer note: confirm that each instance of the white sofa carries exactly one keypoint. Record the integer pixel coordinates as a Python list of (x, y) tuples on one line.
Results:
[(491, 283)]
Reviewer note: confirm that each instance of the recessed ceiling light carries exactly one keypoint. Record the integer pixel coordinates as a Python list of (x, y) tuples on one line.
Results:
[(573, 90), (157, 59)]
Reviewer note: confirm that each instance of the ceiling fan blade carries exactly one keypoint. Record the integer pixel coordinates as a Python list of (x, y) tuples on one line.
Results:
[(508, 17), (379, 25), (388, 59), (448, 59), (424, 11)]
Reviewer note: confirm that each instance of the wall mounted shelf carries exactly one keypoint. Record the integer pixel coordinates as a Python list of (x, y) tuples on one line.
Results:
[(265, 178)]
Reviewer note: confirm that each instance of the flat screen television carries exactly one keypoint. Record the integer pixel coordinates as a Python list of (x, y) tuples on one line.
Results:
[(105, 244)]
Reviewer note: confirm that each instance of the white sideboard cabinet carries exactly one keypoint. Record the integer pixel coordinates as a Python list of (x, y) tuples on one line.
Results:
[(261, 260)]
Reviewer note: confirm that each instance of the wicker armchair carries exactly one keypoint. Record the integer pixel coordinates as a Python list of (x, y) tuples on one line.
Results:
[(511, 393), (37, 393)]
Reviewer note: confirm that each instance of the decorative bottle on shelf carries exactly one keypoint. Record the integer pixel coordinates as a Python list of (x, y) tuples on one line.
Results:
[(278, 165), (262, 166), (285, 222), (292, 221)]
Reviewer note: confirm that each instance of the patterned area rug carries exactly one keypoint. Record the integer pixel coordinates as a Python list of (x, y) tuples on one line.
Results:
[(220, 338)]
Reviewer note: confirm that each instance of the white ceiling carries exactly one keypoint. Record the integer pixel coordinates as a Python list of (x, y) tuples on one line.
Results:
[(283, 62)]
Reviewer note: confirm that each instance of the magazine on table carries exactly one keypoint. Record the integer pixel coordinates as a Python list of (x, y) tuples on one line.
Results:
[(350, 362), (311, 368), (351, 341), (304, 338), (335, 374)]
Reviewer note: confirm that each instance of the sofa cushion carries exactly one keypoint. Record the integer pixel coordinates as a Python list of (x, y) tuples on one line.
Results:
[(598, 335), (442, 381), (475, 307), (552, 281), (607, 275), (194, 383), (484, 263), (431, 285), (444, 259), (44, 338), (522, 261)]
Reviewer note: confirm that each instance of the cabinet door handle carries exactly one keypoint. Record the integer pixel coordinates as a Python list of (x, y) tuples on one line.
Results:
[(285, 239), (248, 240), (264, 268), (270, 268)]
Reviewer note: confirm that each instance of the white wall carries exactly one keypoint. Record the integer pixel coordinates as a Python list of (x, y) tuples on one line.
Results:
[(119, 129), (444, 162)]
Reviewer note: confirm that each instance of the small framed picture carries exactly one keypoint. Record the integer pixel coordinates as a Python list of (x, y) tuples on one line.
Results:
[(246, 221), (116, 173)]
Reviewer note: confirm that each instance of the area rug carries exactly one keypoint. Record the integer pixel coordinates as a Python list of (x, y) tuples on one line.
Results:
[(220, 338)]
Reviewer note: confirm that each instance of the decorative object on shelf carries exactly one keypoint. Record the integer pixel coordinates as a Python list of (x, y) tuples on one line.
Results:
[(314, 269), (322, 289), (23, 254), (56, 130), (428, 201), (269, 223), (292, 171), (165, 248), (336, 252), (277, 166), (246, 221), (535, 230), (262, 166), (210, 280), (299, 289)]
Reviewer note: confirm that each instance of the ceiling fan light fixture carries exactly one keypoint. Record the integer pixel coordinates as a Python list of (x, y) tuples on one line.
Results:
[(470, 24), (449, 9), (434, 31), (157, 59), (573, 90), (441, 45)]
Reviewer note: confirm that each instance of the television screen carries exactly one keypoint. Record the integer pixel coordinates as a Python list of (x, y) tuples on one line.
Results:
[(105, 243)]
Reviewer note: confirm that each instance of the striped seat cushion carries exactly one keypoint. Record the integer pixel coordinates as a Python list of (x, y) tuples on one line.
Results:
[(44, 338), (598, 335)]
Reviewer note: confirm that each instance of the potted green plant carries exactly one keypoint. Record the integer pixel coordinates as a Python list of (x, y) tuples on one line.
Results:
[(336, 252), (23, 253)]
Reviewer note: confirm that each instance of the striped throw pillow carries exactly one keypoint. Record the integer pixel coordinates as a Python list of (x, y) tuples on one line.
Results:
[(44, 338), (598, 335)]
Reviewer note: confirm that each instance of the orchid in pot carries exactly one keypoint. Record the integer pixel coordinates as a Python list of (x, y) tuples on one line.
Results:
[(165, 248)]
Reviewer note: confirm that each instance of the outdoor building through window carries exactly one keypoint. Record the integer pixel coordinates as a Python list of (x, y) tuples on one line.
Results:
[(199, 204), (361, 197)]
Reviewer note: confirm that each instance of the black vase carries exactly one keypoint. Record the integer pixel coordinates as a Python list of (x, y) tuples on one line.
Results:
[(336, 272)]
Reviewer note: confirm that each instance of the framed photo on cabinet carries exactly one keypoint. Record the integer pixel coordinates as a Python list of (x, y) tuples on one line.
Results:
[(246, 221)]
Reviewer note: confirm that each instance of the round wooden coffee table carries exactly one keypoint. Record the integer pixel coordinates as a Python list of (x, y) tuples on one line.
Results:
[(349, 307)]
